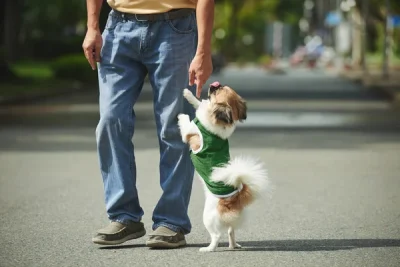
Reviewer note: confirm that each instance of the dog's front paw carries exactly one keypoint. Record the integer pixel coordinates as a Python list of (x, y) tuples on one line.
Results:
[(183, 117), (187, 93), (207, 249)]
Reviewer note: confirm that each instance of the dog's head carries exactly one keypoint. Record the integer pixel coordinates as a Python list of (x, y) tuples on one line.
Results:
[(227, 107)]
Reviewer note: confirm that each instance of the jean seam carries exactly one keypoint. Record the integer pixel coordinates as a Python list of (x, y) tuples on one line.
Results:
[(131, 130)]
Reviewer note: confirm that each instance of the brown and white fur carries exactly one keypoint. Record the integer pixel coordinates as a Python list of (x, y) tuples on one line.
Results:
[(219, 115)]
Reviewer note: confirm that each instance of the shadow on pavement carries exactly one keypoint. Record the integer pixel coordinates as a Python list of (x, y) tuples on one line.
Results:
[(122, 246), (290, 245), (309, 244)]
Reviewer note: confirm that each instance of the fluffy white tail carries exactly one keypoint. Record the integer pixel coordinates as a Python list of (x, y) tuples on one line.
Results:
[(243, 170)]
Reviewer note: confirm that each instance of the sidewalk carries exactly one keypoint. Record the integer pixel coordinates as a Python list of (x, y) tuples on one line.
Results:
[(374, 79), (39, 92), (59, 90)]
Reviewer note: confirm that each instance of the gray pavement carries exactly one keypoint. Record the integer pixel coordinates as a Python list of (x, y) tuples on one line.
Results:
[(335, 201)]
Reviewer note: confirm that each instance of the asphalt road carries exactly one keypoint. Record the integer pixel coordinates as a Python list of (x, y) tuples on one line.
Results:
[(332, 150)]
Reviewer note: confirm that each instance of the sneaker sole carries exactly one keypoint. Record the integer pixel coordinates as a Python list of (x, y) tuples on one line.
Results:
[(164, 244), (120, 241)]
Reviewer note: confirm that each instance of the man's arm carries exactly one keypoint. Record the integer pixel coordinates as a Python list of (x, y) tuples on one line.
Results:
[(201, 67), (205, 23), (93, 41)]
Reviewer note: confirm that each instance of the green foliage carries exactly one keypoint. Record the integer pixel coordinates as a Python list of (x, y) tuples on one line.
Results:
[(73, 67), (396, 42), (52, 47), (51, 17), (377, 8), (238, 18), (265, 60), (289, 11), (51, 28), (32, 70)]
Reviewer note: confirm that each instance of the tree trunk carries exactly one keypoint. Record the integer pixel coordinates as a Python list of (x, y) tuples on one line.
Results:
[(232, 37), (357, 37), (11, 28), (6, 73)]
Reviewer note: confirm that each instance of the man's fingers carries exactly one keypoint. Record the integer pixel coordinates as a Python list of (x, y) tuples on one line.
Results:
[(85, 51), (192, 76), (91, 57), (199, 88), (88, 51), (97, 52), (92, 62)]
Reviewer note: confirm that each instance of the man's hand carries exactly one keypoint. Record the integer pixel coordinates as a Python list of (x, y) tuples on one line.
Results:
[(201, 67), (199, 71), (92, 46)]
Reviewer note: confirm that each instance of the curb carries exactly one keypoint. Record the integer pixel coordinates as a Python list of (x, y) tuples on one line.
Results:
[(146, 94), (386, 87), (32, 97)]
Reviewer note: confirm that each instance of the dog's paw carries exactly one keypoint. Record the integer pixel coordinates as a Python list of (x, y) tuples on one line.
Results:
[(183, 116), (207, 249), (187, 93), (237, 246)]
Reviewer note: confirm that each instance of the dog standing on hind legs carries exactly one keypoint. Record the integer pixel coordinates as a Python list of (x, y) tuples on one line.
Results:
[(230, 184)]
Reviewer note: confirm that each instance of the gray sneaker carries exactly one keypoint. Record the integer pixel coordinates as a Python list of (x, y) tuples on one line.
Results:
[(163, 237), (117, 233)]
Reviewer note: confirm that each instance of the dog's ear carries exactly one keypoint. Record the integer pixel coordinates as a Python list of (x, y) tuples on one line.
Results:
[(223, 113), (241, 109)]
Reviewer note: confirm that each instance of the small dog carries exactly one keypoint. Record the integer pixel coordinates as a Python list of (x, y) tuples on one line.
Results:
[(230, 184)]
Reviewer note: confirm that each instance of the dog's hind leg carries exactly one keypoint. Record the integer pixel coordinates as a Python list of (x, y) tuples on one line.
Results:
[(214, 229), (232, 240), (215, 236)]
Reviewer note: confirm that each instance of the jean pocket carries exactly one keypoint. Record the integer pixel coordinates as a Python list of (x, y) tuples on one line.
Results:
[(112, 21), (183, 25)]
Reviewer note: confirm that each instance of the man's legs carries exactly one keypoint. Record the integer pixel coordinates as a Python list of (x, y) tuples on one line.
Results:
[(171, 48), (121, 77)]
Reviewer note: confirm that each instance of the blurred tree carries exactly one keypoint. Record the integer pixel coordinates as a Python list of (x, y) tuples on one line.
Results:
[(377, 10), (237, 18), (376, 19), (9, 29), (43, 18), (52, 28), (240, 25), (11, 26), (41, 29), (289, 11)]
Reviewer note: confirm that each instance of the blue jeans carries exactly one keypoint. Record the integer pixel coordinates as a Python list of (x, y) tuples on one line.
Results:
[(163, 50)]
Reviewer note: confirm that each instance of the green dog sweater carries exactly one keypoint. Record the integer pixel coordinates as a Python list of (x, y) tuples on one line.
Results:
[(214, 152)]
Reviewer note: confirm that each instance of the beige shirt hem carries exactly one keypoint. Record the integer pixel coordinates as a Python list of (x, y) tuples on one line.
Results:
[(152, 8)]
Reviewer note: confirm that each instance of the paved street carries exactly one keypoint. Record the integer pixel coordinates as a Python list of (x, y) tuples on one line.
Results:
[(332, 150)]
